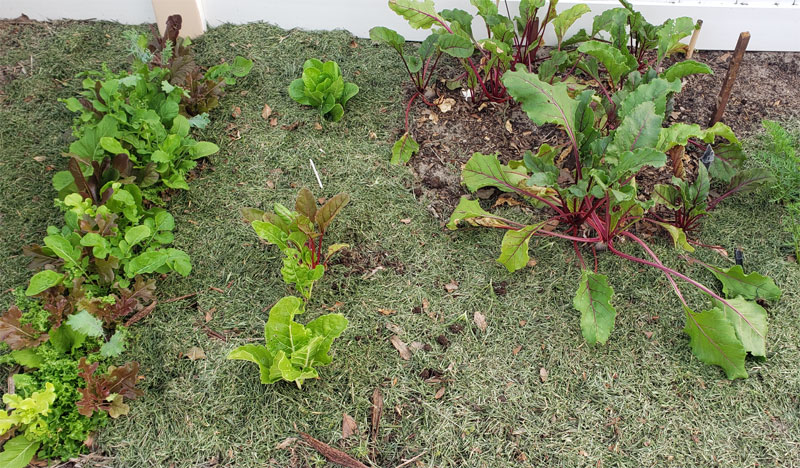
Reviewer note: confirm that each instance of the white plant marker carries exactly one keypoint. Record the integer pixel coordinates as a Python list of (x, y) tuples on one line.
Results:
[(314, 168)]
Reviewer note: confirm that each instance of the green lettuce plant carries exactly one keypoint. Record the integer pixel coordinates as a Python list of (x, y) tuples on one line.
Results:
[(300, 235), (292, 351), (323, 87)]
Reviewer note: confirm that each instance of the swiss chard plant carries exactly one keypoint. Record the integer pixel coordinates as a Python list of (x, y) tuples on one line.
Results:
[(323, 87), (292, 351), (300, 235), (594, 201)]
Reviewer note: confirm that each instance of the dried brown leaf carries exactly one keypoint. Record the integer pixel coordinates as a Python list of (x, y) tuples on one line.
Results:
[(439, 393), (480, 320), (446, 104), (543, 374), (451, 286), (516, 350), (387, 311), (401, 347), (194, 353), (349, 426), (266, 112)]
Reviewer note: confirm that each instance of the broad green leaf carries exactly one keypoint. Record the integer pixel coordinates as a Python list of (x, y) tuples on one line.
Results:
[(543, 102), (567, 18), (303, 358), (252, 214), (461, 17), (389, 37), (485, 170), (289, 372), (471, 212), (666, 195), (630, 162), (455, 45), (420, 14), (403, 149), (640, 129), (86, 323), (720, 130), (683, 69), (63, 249), (713, 340), (750, 322), (177, 260), (336, 112), (147, 262), (65, 340), (261, 356), (330, 209), (615, 21), (678, 237), (115, 346), (593, 301), (43, 281), (655, 91), (241, 66), (270, 233), (747, 180), (751, 286), (617, 63), (677, 135), (350, 90), (328, 327), (514, 249), (203, 149), (297, 91), (727, 162), (113, 146), (136, 234), (27, 357), (281, 332), (180, 126), (670, 33), (18, 452)]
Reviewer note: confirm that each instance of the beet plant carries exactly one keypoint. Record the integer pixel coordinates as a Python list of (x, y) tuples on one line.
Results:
[(593, 201)]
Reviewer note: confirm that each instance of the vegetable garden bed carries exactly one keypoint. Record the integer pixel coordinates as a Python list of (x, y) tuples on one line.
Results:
[(495, 371)]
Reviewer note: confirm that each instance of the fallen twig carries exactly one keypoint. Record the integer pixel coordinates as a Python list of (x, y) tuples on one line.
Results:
[(331, 454)]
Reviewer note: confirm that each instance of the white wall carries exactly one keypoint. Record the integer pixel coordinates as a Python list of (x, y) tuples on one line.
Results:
[(124, 11), (773, 24)]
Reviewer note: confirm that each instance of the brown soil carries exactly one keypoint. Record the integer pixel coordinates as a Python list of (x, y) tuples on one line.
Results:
[(766, 88)]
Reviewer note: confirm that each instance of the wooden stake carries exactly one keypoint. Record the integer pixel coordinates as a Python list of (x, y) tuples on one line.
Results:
[(693, 40), (727, 85)]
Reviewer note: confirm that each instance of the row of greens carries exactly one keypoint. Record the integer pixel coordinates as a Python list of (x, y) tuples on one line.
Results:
[(68, 329), (610, 93), (293, 351)]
